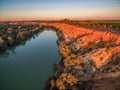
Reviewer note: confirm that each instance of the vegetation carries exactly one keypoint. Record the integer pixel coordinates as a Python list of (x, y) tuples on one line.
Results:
[(83, 53), (14, 34), (105, 25), (75, 68)]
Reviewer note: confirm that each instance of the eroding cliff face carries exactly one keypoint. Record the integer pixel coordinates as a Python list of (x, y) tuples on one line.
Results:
[(90, 59)]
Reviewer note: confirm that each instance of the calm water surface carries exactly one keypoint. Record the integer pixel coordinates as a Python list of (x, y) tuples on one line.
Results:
[(30, 65)]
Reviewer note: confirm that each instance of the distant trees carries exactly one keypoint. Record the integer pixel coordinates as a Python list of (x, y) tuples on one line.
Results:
[(65, 20), (96, 24)]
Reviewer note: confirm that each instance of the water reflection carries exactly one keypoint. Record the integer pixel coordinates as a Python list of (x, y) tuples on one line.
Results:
[(28, 66), (12, 49)]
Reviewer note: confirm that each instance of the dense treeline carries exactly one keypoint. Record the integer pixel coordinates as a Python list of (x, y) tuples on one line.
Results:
[(14, 34)]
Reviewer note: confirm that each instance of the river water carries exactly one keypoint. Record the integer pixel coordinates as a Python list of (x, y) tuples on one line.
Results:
[(28, 66)]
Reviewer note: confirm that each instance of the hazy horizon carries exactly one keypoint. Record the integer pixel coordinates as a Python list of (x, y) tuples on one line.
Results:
[(18, 10)]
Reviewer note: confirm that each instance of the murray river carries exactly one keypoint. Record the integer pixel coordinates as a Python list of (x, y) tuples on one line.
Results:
[(28, 66)]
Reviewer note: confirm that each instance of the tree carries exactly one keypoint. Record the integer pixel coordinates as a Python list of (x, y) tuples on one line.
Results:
[(65, 20)]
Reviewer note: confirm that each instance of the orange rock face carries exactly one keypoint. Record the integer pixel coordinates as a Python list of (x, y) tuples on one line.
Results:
[(101, 56), (87, 55), (86, 37)]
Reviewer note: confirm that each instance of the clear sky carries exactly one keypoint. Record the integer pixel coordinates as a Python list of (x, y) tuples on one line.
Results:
[(59, 9)]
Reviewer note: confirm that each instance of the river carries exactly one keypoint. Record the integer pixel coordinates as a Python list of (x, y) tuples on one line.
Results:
[(29, 65)]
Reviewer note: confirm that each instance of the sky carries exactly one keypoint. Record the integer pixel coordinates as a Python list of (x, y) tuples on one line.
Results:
[(11, 10)]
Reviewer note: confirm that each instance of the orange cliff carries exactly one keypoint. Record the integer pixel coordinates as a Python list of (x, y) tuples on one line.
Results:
[(84, 38)]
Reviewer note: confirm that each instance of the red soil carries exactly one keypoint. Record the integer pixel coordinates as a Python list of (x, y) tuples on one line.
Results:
[(99, 56)]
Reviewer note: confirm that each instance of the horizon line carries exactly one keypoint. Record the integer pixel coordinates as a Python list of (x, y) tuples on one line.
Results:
[(61, 19)]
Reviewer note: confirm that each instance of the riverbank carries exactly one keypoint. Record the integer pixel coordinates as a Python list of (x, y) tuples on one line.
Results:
[(14, 34), (27, 66), (86, 54)]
